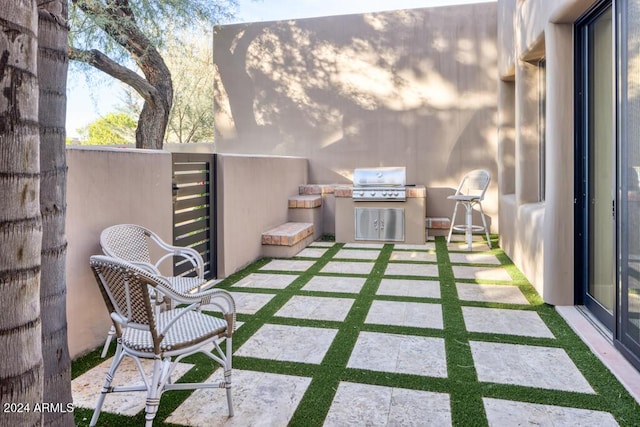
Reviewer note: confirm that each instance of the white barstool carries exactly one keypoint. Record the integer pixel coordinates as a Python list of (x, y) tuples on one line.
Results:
[(470, 193)]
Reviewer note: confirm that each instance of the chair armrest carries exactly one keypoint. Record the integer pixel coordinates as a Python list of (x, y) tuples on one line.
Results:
[(150, 268), (207, 285), (210, 296), (189, 254), (219, 298)]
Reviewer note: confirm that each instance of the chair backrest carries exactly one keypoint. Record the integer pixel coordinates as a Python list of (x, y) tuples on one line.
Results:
[(475, 183), (129, 242), (125, 289)]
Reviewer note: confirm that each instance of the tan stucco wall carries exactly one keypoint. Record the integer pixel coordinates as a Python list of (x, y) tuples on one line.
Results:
[(414, 88), (107, 186), (538, 236), (253, 193)]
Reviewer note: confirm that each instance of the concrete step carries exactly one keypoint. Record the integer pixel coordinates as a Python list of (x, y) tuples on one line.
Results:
[(305, 201), (286, 240)]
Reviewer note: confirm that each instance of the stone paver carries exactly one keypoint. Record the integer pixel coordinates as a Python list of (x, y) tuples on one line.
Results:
[(413, 256), (481, 273), (86, 388), (356, 254), (364, 245), (288, 343), (429, 246), (322, 244), (345, 267), (411, 314), (406, 269), (316, 308), (402, 354), (458, 243), (473, 258), (506, 294), (509, 413), (265, 281), (505, 321), (409, 288), (259, 399), (312, 252), (287, 265), (249, 303), (350, 285), (529, 366), (368, 405)]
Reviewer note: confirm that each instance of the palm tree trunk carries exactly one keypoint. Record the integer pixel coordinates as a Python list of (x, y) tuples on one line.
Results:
[(21, 366), (52, 78)]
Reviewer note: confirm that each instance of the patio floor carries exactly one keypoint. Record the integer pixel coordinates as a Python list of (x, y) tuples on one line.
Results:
[(366, 334)]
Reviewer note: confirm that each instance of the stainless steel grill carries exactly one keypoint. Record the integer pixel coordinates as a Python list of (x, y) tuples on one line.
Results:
[(382, 184)]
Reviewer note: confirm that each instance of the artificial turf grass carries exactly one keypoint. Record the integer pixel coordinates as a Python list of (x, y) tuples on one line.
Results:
[(465, 392), (610, 394)]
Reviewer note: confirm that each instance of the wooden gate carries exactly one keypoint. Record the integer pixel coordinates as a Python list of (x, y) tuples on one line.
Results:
[(194, 219)]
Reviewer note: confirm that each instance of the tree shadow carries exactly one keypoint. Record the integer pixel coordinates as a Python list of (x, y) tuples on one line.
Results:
[(416, 88)]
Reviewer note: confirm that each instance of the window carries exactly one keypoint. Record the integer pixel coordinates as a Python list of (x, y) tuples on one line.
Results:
[(542, 108)]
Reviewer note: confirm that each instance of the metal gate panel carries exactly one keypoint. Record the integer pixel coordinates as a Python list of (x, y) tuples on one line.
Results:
[(194, 210)]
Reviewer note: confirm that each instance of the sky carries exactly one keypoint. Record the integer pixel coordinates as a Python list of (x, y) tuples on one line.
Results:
[(88, 101)]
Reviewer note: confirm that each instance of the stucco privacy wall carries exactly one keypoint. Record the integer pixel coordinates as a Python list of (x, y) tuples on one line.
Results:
[(414, 88), (252, 197), (538, 236), (107, 186)]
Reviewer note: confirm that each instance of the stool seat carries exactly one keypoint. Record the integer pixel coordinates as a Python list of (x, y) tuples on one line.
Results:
[(470, 193), (464, 198)]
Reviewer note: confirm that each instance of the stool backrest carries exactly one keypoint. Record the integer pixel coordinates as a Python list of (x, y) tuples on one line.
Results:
[(475, 183)]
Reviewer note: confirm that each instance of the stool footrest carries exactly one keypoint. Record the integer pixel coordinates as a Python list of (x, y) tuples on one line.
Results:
[(465, 228)]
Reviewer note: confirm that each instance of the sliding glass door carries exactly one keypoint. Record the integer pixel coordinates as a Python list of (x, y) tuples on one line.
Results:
[(607, 215), (628, 318), (597, 171)]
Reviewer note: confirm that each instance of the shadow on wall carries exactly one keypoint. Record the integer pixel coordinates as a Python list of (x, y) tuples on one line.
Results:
[(416, 88)]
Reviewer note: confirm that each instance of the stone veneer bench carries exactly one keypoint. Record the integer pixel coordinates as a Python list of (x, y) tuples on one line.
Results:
[(438, 226), (286, 240)]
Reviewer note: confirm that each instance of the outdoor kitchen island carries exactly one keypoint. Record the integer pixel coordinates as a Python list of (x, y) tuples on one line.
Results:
[(380, 221)]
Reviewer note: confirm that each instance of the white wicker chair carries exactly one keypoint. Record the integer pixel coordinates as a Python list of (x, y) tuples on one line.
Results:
[(470, 193), (167, 337), (135, 244)]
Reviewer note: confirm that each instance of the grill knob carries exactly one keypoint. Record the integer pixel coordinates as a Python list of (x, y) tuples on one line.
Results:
[(373, 193), (362, 193)]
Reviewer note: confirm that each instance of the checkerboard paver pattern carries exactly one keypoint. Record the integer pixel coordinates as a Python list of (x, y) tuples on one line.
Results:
[(400, 321)]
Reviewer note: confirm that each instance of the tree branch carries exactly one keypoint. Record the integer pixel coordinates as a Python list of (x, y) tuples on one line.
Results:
[(120, 26), (105, 64)]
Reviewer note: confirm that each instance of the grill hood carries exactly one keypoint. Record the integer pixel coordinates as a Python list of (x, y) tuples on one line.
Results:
[(377, 177)]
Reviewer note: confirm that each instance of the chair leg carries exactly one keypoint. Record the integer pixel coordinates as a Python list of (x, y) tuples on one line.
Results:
[(153, 394), (468, 226), (117, 359), (110, 335), (484, 223), (453, 222), (227, 375)]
